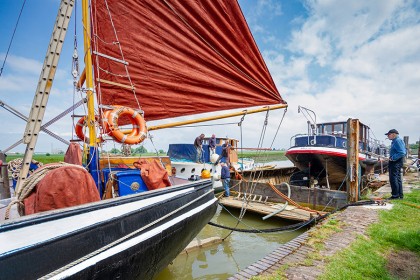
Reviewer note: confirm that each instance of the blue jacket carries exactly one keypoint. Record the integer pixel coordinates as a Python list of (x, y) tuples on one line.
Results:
[(397, 150), (212, 142), (225, 172)]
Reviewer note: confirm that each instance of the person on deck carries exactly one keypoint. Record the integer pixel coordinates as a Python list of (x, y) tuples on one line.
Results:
[(224, 157), (212, 144), (225, 176), (198, 144), (396, 158)]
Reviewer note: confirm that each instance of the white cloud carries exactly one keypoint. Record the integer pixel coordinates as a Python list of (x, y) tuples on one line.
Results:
[(373, 52)]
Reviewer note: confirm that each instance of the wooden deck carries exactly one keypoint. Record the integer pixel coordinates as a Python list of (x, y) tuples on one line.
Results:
[(259, 206)]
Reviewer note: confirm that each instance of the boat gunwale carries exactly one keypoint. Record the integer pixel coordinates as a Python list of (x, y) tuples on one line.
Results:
[(56, 214)]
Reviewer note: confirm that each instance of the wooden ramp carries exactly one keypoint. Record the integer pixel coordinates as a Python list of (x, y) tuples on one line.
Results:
[(262, 207)]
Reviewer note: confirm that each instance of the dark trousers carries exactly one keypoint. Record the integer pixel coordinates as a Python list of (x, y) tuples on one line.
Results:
[(395, 177)]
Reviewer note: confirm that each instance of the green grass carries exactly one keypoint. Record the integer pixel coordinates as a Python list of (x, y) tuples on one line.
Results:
[(41, 158), (258, 156), (263, 156), (398, 229)]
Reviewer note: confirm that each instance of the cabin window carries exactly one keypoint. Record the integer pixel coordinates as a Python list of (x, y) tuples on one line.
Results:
[(319, 129), (338, 128), (328, 129)]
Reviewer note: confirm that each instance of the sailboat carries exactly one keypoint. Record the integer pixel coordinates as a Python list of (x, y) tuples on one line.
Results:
[(144, 61)]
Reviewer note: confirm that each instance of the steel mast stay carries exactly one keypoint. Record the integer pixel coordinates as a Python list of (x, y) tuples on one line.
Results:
[(45, 82)]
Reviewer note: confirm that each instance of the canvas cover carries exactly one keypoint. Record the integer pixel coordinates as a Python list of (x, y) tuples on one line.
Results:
[(59, 190), (184, 57), (73, 154), (154, 175)]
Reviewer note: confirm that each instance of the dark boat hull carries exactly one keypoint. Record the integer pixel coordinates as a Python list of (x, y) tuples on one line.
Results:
[(132, 237), (317, 162)]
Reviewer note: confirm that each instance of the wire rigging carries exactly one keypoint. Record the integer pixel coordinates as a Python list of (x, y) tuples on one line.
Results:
[(11, 40)]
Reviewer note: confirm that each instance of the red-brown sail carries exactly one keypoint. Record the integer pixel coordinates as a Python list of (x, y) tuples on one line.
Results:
[(184, 57)]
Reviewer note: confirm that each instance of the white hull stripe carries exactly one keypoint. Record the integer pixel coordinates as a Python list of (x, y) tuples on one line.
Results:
[(27, 236), (321, 151), (131, 242)]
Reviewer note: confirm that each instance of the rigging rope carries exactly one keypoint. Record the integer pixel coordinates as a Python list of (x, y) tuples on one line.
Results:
[(250, 186), (122, 54), (297, 225), (11, 40)]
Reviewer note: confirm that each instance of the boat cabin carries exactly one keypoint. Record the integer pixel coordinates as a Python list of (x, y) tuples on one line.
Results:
[(334, 134)]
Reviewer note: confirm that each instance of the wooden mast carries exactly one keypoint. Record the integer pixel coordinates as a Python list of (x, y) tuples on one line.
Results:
[(88, 73)]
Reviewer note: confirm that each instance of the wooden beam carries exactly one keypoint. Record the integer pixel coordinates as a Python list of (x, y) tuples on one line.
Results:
[(114, 84), (217, 117), (353, 160)]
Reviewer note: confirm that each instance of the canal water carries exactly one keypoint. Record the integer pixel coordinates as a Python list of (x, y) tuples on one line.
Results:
[(236, 252)]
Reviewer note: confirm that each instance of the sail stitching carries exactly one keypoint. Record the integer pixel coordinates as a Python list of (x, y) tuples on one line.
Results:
[(215, 50)]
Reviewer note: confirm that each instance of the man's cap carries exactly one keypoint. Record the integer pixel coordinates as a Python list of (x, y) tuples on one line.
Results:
[(392, 131)]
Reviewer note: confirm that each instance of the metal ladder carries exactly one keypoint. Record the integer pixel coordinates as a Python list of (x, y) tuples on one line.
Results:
[(36, 115)]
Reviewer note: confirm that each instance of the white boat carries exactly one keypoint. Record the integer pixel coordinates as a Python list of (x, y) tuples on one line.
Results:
[(183, 160)]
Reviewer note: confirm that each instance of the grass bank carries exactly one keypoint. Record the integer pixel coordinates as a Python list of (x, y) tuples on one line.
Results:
[(41, 157), (390, 249), (258, 156), (398, 230), (263, 156)]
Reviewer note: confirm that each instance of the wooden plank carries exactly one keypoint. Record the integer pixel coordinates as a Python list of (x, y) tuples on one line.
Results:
[(115, 84), (254, 268), (291, 212)]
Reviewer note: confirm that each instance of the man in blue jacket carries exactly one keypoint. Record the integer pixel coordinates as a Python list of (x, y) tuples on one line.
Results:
[(396, 158), (225, 176)]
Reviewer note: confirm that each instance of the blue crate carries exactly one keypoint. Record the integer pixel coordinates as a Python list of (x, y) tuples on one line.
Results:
[(106, 171), (130, 182)]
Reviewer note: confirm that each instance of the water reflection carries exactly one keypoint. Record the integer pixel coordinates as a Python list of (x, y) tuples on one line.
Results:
[(236, 252)]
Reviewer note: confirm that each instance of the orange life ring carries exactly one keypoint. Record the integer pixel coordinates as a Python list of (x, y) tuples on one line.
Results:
[(105, 123), (78, 129), (137, 134)]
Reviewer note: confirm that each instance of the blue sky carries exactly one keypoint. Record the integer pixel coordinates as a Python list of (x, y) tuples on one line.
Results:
[(341, 59)]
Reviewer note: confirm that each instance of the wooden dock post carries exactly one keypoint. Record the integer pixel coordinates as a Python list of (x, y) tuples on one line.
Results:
[(407, 147), (352, 182)]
